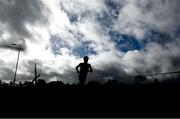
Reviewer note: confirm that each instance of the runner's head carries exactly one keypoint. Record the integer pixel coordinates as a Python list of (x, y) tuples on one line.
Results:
[(86, 58)]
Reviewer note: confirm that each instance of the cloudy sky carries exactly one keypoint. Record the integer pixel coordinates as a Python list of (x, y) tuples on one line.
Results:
[(122, 38)]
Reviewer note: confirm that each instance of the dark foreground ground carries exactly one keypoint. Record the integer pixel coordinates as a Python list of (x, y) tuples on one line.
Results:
[(95, 100)]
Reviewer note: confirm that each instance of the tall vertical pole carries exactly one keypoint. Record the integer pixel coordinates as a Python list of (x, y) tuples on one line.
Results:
[(16, 65)]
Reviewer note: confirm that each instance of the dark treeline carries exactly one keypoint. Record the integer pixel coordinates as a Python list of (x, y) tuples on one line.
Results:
[(112, 99), (139, 82)]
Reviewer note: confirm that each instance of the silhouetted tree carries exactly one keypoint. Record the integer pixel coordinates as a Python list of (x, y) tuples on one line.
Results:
[(93, 84), (20, 84), (112, 83), (55, 84), (11, 83), (139, 78), (41, 83)]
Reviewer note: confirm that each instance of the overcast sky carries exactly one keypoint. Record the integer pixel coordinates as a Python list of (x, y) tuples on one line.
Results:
[(122, 38)]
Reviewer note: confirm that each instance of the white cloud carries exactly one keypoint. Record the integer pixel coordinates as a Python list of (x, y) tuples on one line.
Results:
[(81, 6), (138, 17)]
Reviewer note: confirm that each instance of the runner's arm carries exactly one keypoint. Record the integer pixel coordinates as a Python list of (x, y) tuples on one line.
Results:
[(90, 68), (77, 68)]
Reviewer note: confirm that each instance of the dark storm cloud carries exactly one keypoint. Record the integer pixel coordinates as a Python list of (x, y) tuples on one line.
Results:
[(111, 71), (155, 58), (7, 73), (13, 46), (69, 76), (14, 14)]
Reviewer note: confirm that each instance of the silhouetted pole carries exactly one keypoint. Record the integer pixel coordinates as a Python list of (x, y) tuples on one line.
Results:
[(19, 50), (36, 75)]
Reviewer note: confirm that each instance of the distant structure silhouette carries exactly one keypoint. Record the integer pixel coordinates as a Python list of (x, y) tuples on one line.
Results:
[(11, 83), (36, 75), (156, 82), (84, 69)]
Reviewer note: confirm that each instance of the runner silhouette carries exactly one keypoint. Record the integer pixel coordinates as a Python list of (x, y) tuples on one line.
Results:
[(84, 69)]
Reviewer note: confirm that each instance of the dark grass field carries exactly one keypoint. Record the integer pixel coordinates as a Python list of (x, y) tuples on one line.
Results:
[(95, 100)]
